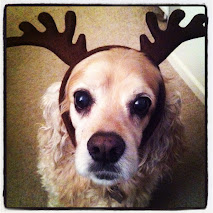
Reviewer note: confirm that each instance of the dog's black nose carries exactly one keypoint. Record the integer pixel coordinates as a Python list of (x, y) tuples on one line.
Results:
[(106, 147)]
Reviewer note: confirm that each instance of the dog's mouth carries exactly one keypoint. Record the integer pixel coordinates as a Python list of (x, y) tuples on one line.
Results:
[(108, 172), (103, 175)]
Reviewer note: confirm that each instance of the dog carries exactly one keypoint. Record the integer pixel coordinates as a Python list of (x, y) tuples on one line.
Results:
[(127, 129)]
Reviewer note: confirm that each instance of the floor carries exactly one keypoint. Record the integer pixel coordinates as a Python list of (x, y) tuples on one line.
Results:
[(30, 70)]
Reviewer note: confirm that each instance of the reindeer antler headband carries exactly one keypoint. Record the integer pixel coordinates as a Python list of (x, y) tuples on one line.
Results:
[(61, 43)]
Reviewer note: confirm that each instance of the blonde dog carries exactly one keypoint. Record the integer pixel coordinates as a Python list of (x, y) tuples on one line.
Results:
[(127, 132)]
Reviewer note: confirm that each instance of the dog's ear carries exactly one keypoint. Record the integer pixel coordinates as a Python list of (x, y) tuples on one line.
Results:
[(166, 142), (53, 135)]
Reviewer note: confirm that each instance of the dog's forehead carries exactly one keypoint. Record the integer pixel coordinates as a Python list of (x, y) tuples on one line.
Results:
[(118, 65)]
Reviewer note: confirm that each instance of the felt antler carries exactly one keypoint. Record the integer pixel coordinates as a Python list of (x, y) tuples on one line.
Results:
[(166, 41), (59, 43)]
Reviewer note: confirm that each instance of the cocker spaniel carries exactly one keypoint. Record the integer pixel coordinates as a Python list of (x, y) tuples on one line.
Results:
[(128, 132)]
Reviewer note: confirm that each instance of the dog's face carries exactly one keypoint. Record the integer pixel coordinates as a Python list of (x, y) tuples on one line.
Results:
[(111, 97)]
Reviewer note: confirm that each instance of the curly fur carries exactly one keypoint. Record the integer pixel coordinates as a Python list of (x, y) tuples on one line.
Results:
[(67, 188)]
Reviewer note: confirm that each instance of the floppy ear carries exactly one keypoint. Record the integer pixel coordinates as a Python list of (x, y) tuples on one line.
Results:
[(53, 137), (166, 142)]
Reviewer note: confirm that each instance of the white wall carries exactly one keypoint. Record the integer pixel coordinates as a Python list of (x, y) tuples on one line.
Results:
[(189, 58)]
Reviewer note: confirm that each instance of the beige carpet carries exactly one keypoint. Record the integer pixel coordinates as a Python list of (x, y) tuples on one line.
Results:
[(30, 70)]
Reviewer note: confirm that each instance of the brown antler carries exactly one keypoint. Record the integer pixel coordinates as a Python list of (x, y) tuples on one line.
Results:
[(166, 41), (59, 43)]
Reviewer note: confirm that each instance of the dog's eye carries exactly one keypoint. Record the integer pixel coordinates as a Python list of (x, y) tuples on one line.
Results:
[(141, 105), (82, 100)]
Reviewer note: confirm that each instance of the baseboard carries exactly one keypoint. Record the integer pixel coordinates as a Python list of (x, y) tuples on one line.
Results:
[(188, 77)]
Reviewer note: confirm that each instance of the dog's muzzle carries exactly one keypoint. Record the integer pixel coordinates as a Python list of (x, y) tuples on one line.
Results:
[(105, 148)]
